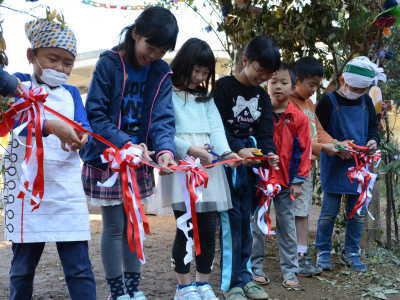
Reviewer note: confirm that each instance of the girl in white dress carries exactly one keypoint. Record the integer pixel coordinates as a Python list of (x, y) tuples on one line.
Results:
[(198, 128)]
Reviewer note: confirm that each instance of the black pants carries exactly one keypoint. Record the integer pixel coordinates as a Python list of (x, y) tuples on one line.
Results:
[(207, 223)]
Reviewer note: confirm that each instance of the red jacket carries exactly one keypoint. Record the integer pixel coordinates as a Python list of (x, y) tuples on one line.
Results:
[(293, 145)]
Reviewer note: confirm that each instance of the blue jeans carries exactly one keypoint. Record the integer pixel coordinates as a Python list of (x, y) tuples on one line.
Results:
[(354, 226), (74, 258)]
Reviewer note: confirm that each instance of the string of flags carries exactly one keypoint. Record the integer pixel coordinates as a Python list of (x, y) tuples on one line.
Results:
[(105, 5), (115, 6), (129, 7)]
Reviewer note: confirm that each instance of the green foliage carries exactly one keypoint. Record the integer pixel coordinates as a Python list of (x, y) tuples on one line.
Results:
[(333, 30), (391, 90)]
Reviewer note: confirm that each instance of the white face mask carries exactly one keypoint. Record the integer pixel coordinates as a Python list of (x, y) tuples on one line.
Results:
[(52, 77), (351, 95), (347, 93)]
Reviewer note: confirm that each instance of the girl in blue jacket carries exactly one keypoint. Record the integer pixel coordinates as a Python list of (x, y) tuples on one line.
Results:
[(129, 100)]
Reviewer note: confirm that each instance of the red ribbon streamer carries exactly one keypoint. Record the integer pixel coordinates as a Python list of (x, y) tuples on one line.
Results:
[(363, 162), (264, 194), (29, 110), (195, 177), (124, 162)]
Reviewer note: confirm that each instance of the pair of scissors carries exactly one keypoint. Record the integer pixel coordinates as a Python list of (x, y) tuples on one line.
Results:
[(212, 152)]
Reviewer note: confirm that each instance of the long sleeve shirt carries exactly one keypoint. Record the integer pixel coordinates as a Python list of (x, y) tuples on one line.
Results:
[(245, 111), (8, 83), (197, 117), (293, 145)]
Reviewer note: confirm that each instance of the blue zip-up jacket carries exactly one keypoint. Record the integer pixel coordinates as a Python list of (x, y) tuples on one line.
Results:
[(8, 83), (79, 109), (103, 106)]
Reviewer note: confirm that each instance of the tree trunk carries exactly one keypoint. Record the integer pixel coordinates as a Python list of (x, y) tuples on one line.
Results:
[(389, 194), (395, 223), (374, 231), (238, 66)]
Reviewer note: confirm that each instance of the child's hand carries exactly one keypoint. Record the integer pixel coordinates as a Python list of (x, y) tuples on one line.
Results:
[(372, 146), (344, 154), (233, 155), (295, 191), (202, 153), (166, 160), (146, 153), (64, 132), (20, 90), (329, 149), (83, 138), (273, 161), (249, 152)]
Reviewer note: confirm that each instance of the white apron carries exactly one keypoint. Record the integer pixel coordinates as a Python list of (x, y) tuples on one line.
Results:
[(63, 214)]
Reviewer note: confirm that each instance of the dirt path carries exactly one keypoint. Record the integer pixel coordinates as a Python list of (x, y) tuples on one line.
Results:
[(158, 281)]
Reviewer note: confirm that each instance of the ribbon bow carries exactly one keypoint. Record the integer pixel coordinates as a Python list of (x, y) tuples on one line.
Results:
[(267, 189), (124, 161), (196, 178), (28, 111), (361, 174)]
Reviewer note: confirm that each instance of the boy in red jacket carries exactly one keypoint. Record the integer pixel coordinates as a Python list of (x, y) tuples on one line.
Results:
[(293, 145)]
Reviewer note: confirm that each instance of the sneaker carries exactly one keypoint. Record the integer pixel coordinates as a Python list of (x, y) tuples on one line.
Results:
[(235, 293), (353, 260), (254, 291), (138, 296), (206, 292), (187, 293), (324, 261), (306, 267), (123, 297)]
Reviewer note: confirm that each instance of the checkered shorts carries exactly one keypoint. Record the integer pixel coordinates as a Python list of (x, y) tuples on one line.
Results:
[(93, 174)]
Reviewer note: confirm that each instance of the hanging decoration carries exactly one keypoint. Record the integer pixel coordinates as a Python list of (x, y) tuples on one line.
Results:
[(123, 7), (389, 17), (105, 5)]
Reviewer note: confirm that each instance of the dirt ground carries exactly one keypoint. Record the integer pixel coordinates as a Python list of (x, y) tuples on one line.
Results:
[(158, 280)]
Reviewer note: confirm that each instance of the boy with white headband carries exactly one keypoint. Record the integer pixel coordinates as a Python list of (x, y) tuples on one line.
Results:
[(63, 214), (346, 114)]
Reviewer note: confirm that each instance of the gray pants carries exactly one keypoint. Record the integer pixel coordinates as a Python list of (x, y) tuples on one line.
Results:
[(115, 252), (286, 235)]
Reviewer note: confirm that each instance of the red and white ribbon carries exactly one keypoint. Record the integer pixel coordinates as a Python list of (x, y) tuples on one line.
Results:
[(123, 162), (28, 111), (361, 174), (196, 179), (267, 189)]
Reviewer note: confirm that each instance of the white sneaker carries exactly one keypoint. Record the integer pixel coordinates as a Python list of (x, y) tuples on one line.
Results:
[(187, 293), (123, 297), (206, 292), (138, 296)]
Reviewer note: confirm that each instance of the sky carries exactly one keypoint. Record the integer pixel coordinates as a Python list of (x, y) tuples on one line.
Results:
[(95, 28)]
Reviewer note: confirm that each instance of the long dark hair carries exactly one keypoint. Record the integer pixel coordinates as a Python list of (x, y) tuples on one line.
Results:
[(193, 52), (157, 24)]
